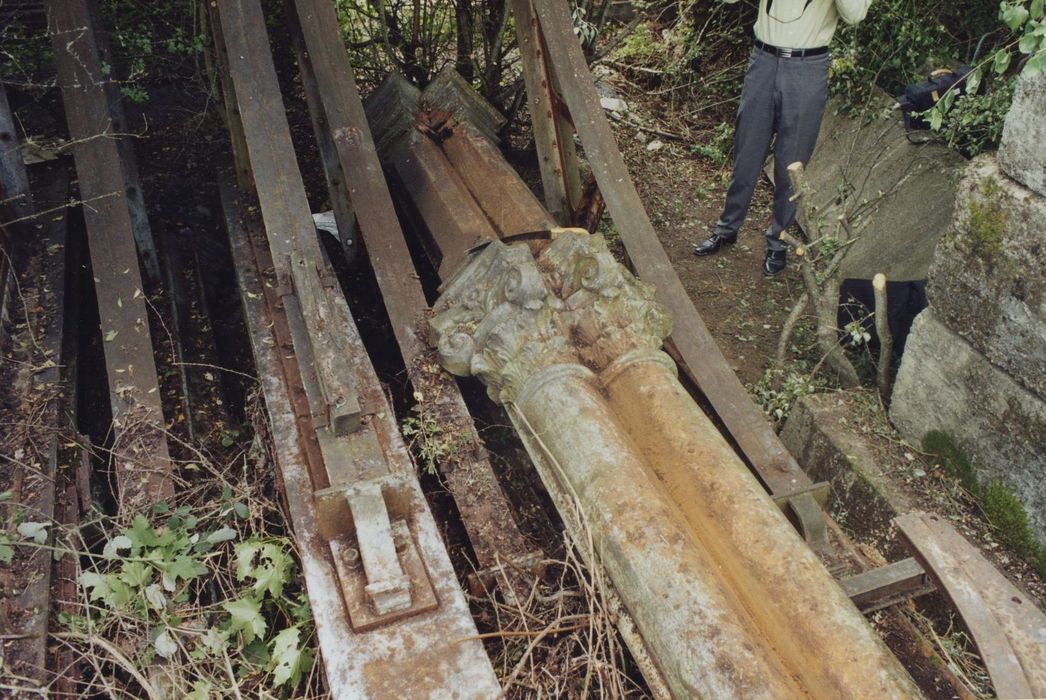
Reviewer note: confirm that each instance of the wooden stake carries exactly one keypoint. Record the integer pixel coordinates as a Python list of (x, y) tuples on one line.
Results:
[(882, 328)]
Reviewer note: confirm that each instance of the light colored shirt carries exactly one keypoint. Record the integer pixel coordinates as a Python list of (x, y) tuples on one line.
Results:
[(804, 24)]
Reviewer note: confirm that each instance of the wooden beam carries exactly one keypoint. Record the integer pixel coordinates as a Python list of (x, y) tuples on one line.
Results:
[(15, 196), (553, 134), (1007, 625), (143, 464), (469, 474), (341, 203), (700, 357), (40, 313), (350, 656)]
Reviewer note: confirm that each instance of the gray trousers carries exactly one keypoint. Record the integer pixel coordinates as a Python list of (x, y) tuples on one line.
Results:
[(783, 97)]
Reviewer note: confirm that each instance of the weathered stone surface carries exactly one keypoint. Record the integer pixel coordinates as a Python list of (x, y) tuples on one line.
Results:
[(863, 499), (944, 384), (903, 191), (1022, 151), (988, 278)]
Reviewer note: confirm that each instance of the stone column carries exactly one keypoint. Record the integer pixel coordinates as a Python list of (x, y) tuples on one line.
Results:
[(618, 330), (728, 599)]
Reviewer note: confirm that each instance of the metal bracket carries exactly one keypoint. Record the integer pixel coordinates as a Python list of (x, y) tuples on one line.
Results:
[(382, 576)]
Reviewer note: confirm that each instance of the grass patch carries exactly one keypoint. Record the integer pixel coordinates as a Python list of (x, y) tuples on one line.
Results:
[(1004, 511)]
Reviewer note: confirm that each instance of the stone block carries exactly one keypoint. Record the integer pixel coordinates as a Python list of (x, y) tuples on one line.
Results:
[(903, 191), (944, 384), (1022, 153), (988, 278), (863, 498)]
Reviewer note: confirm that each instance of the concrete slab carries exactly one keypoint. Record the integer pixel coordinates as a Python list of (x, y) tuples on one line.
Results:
[(903, 192)]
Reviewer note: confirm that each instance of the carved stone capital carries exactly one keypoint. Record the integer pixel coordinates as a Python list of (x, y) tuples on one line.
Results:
[(606, 311), (504, 316), (495, 321)]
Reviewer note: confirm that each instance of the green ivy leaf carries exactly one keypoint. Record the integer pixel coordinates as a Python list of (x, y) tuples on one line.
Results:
[(973, 82), (1001, 61), (115, 545), (135, 574), (182, 567), (165, 645), (265, 562), (245, 616), (936, 118), (37, 532), (1036, 64), (223, 534), (107, 588), (1012, 15), (1036, 9), (289, 661), (201, 690)]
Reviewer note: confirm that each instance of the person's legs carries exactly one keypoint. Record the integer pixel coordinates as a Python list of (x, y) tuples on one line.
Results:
[(803, 86), (752, 133)]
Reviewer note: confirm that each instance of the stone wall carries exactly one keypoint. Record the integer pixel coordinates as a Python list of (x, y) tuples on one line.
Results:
[(975, 363)]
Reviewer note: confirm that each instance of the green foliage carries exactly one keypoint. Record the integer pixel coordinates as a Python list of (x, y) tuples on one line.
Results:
[(903, 40), (159, 574), (1001, 507), (719, 145), (430, 440), (777, 391)]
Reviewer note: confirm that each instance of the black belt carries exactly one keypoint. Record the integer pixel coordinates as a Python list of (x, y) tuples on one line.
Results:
[(790, 53)]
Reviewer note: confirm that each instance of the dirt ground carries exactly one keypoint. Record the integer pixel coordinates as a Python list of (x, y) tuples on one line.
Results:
[(684, 194)]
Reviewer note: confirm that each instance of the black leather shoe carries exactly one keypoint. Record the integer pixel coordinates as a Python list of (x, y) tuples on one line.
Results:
[(774, 263), (713, 243)]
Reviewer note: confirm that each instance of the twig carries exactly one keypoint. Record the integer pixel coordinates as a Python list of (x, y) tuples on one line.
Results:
[(882, 329), (117, 656)]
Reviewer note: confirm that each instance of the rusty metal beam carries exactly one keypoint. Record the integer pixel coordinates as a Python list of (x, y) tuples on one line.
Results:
[(1007, 625), (369, 616), (701, 357), (887, 585), (143, 464), (469, 474)]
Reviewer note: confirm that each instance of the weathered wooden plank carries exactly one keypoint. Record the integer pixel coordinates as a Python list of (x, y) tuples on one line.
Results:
[(1007, 625), (341, 408), (471, 479), (887, 585), (35, 375), (284, 205), (701, 357), (148, 256), (432, 653), (341, 204), (14, 181), (16, 204), (499, 190), (387, 661), (553, 135), (143, 465)]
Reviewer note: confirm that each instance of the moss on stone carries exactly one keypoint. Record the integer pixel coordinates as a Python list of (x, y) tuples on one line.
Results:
[(1003, 509), (987, 223)]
